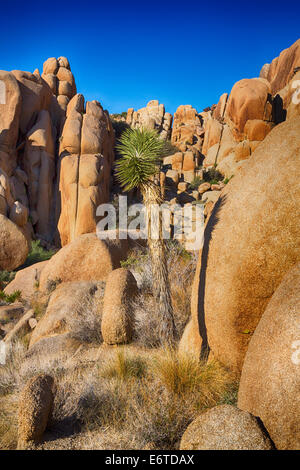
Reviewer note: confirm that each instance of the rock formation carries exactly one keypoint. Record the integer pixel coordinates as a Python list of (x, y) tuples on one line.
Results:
[(153, 116), (55, 156), (225, 428), (35, 406), (270, 380), (251, 241), (117, 320)]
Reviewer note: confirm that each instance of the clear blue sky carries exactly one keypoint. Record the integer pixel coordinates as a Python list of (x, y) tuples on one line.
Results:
[(126, 53)]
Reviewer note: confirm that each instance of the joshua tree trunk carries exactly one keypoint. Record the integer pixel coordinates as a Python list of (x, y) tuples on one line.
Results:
[(161, 286)]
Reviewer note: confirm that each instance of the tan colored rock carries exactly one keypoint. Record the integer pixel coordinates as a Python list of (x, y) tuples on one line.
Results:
[(270, 380), (35, 407), (63, 304), (186, 132), (26, 281), (11, 312), (190, 342), (86, 158), (117, 317), (203, 188), (256, 129), (188, 162), (211, 196), (173, 176), (20, 328), (153, 116), (189, 176), (85, 259), (241, 269), (217, 152), (182, 186), (225, 427), (242, 151), (281, 70), (176, 161), (13, 245), (229, 167), (36, 96), (18, 214), (213, 132), (50, 66), (39, 164), (10, 110), (221, 106), (248, 100)]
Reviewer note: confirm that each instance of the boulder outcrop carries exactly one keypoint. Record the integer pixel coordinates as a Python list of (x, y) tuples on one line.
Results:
[(270, 380), (225, 428), (153, 116), (239, 270)]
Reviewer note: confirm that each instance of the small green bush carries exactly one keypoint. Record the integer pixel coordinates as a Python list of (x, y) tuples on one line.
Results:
[(10, 298), (37, 254), (212, 176), (195, 183)]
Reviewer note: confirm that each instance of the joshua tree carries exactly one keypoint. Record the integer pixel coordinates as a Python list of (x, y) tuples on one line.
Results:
[(141, 152)]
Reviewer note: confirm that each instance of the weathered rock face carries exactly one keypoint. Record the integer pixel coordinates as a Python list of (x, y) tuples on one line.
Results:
[(85, 259), (248, 100), (63, 303), (48, 177), (117, 320), (10, 110), (39, 165), (58, 75), (187, 132), (270, 380), (153, 116), (86, 158), (14, 246), (36, 96), (225, 428), (26, 281), (240, 269), (35, 407), (281, 69)]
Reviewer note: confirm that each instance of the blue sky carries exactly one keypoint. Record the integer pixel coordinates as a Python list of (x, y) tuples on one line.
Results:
[(126, 53)]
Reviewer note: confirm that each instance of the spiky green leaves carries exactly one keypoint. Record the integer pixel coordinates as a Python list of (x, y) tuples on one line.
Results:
[(141, 151)]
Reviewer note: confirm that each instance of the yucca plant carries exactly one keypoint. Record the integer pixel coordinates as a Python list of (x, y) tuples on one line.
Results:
[(141, 152)]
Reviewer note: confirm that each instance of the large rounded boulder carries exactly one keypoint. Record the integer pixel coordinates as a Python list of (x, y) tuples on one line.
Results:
[(248, 100), (251, 241), (225, 427), (87, 258), (14, 246), (270, 381)]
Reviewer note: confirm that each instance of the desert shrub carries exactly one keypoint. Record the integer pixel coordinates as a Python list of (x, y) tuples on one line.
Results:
[(6, 277), (37, 254), (127, 398), (153, 408), (226, 180), (85, 322), (124, 366), (196, 182), (212, 176), (8, 423), (119, 127), (181, 268), (10, 298)]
